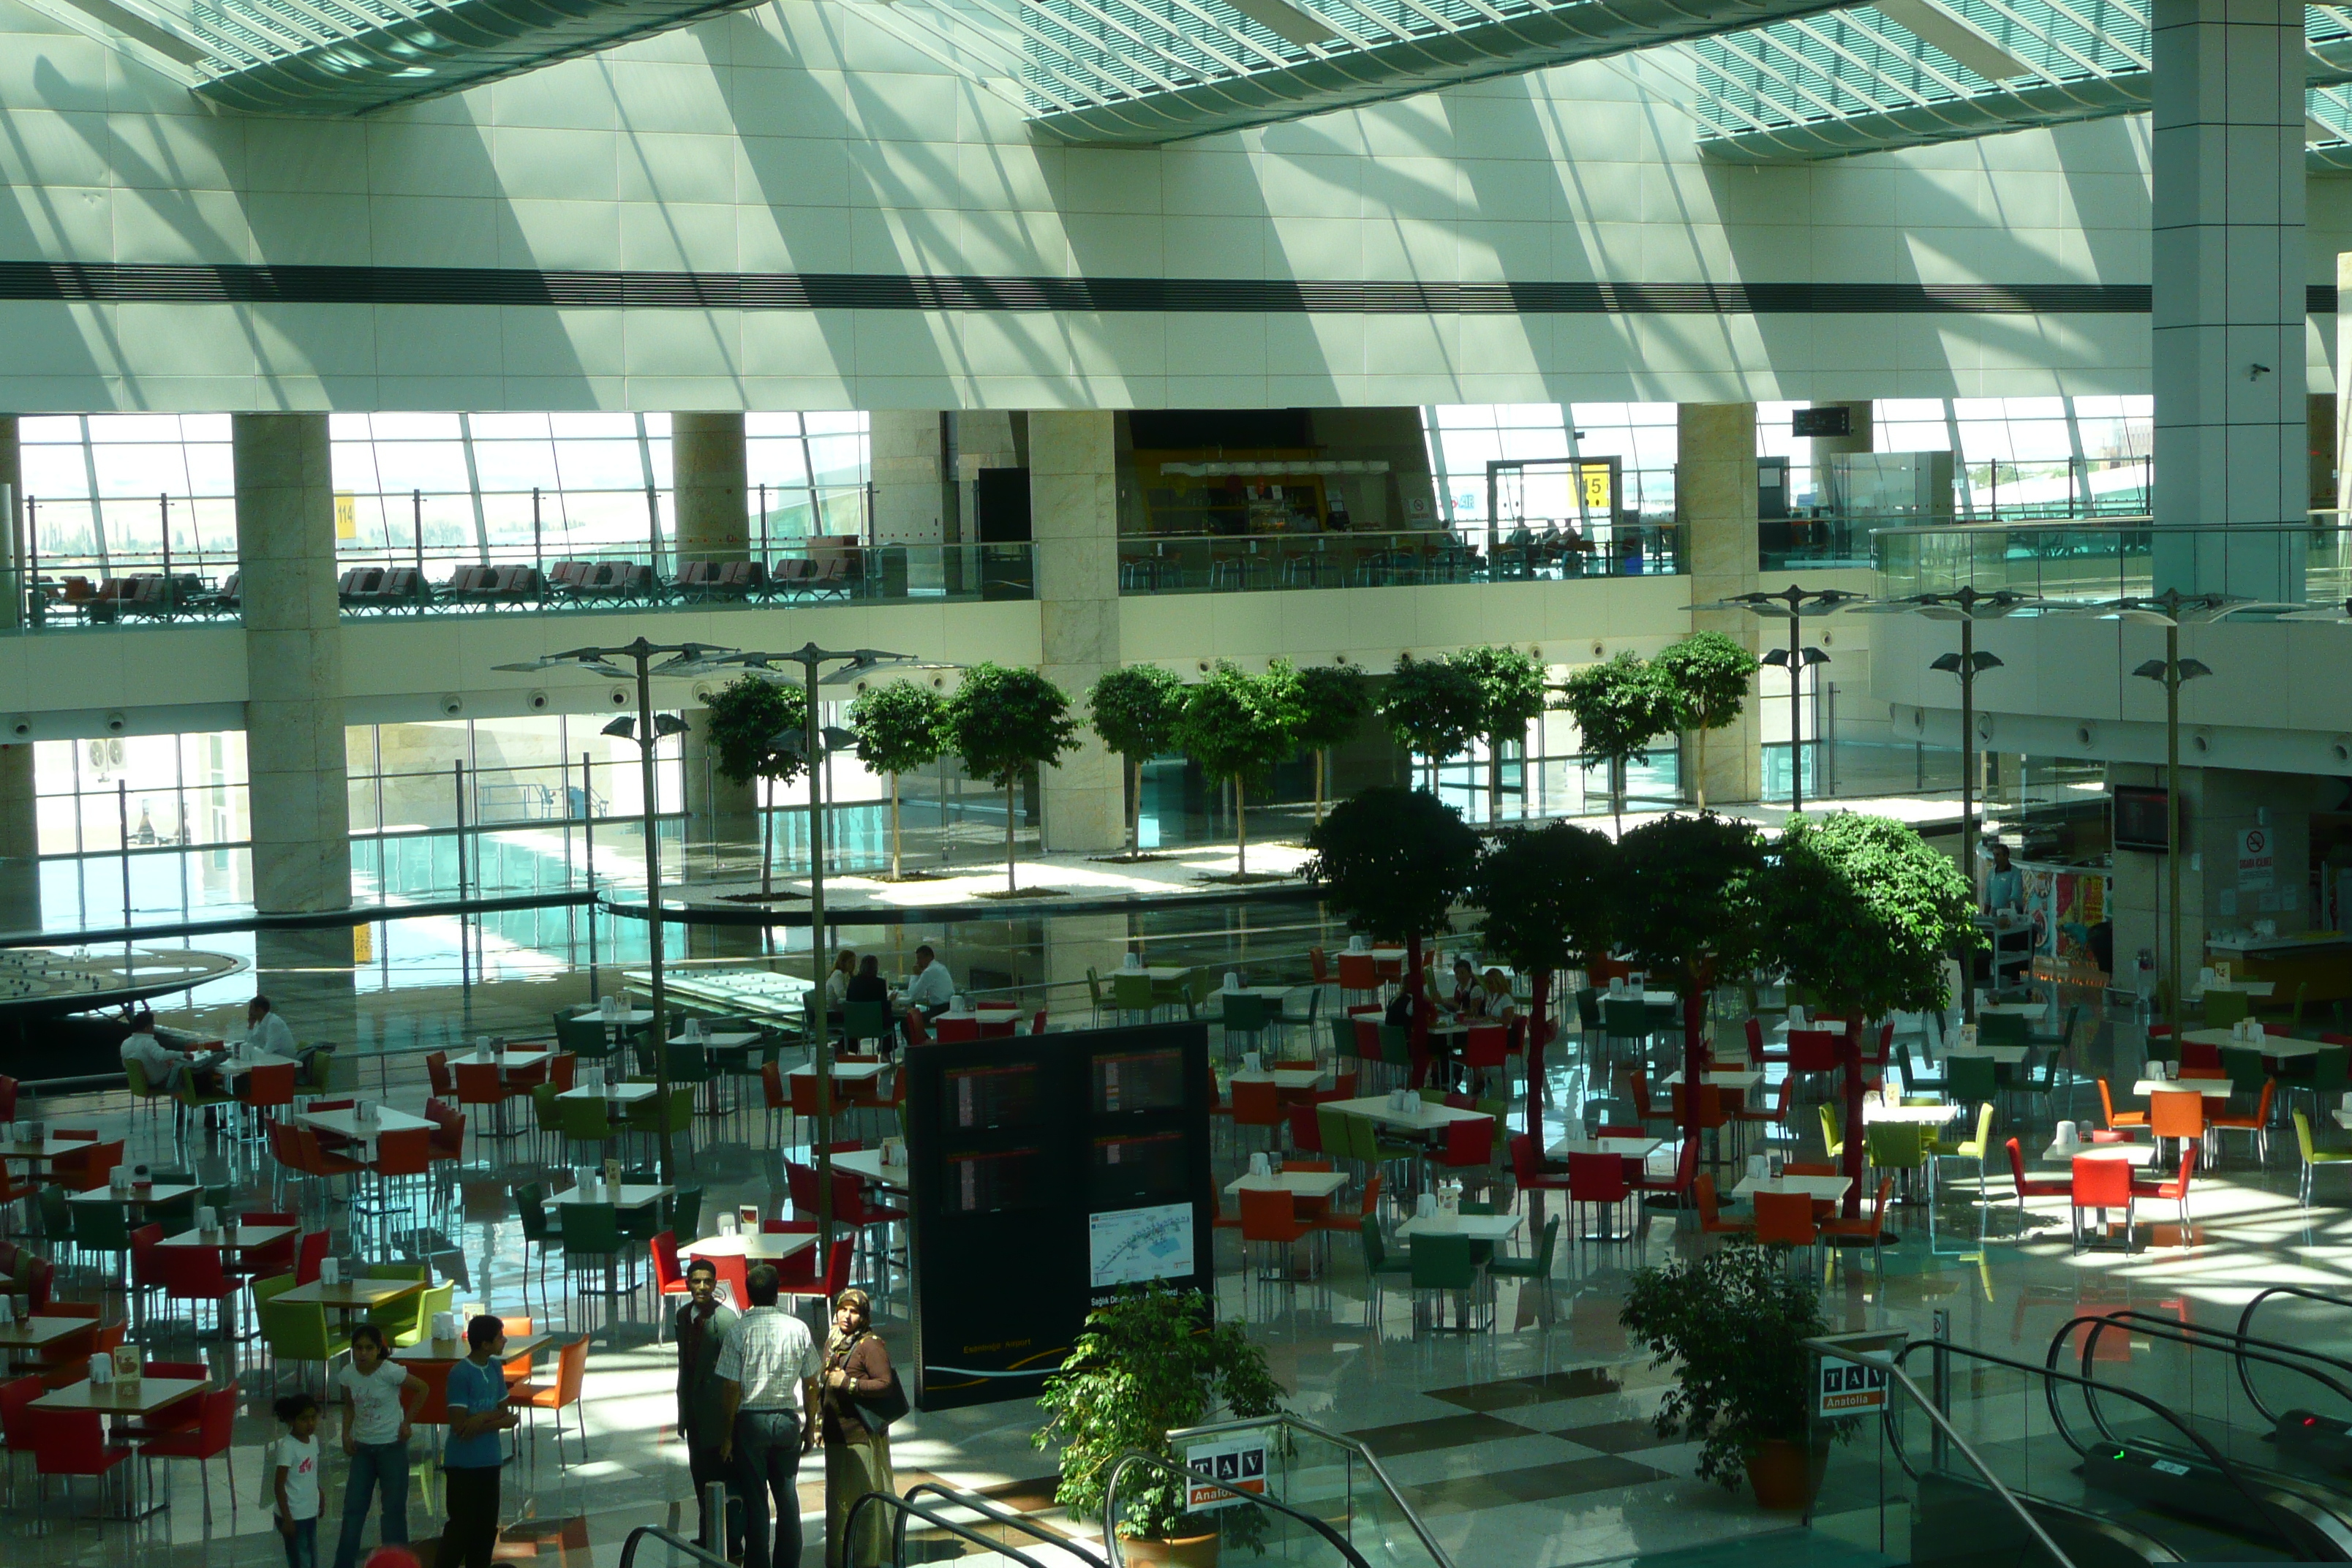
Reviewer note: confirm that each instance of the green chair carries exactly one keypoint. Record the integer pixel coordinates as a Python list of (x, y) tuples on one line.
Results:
[(1094, 993), (1538, 1268), (1396, 1047), (685, 1213), (1588, 1012), (100, 1227), (404, 1321), (134, 1074), (2065, 1035), (1343, 1039), (1625, 1019), (1444, 1263), (1283, 1019), (1967, 1148), (398, 1270), (1833, 1135), (2243, 1065), (268, 1290), (585, 1035), (1378, 1267), (1896, 1146), (2312, 1156), (1331, 1129), (1969, 1080), (530, 1209), (1244, 1017), (1132, 990), (862, 1021), (1193, 990), (2224, 1009), (584, 1122), (1914, 1079), (546, 1114), (591, 1237), (54, 1216), (300, 1333), (2002, 1029), (687, 1065)]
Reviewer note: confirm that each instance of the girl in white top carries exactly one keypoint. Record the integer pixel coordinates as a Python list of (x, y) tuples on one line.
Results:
[(295, 1483), (380, 1397), (836, 982)]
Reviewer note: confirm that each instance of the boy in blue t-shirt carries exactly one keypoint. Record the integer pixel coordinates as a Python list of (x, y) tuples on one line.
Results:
[(470, 1458)]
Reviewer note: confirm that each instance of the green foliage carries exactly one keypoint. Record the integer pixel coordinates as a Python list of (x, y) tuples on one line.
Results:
[(1863, 913), (1332, 705), (1392, 861), (1511, 689), (1149, 1361), (1706, 675), (1549, 895), (1696, 906), (1237, 725), (1433, 708), (1620, 707), (898, 727), (1135, 709), (1733, 1325), (1004, 722), (741, 719)]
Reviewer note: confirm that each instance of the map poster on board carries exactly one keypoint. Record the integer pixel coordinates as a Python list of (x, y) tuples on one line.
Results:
[(1135, 1246)]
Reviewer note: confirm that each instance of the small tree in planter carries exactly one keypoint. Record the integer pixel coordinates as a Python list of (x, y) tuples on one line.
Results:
[(1395, 860), (1733, 1324), (1511, 697), (1333, 707), (742, 722), (1432, 708), (1134, 710), (1706, 675), (1618, 707), (1237, 726), (1551, 896), (1006, 724), (1148, 1362), (1863, 913), (1693, 915), (898, 729)]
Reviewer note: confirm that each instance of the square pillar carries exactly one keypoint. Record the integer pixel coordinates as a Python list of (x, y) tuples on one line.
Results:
[(1714, 501), (1074, 522)]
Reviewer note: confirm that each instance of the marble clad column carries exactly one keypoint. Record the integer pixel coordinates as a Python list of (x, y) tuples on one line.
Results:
[(1074, 519), (20, 883), (299, 803), (708, 471), (2227, 324), (1715, 494)]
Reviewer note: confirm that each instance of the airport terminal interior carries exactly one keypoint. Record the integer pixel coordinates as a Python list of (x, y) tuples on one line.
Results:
[(1370, 783)]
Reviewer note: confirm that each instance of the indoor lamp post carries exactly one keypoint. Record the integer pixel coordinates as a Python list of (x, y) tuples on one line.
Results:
[(1794, 604), (814, 742), (647, 729)]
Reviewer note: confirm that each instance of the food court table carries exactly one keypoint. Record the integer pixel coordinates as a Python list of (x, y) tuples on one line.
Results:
[(46, 1150), (844, 1072), (625, 1092), (42, 1333), (1160, 973), (1292, 1079), (236, 1066), (1740, 1078), (1310, 1185), (2129, 1153), (1874, 1110), (2211, 1087), (2001, 1056), (136, 1197), (346, 1122), (123, 1397), (1421, 1116), (2278, 1048), (1821, 1189), (1624, 1148), (349, 1295), (866, 1165), (242, 1238), (627, 1195)]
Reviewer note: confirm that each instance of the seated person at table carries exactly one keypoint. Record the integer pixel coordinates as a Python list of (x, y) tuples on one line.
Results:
[(1465, 987), (837, 981), (933, 988), (1495, 1002), (866, 984), (267, 1030), (169, 1070)]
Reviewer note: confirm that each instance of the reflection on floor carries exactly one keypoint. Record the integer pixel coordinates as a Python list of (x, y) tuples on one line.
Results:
[(1530, 1444)]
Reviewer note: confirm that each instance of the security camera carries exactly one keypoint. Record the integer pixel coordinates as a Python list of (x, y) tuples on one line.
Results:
[(1599, 650), (2343, 749), (536, 702), (619, 697), (452, 705), (701, 693), (2082, 734), (116, 723), (2202, 742), (20, 726)]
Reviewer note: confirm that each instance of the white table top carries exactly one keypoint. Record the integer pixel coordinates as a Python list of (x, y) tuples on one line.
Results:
[(1281, 1077), (2129, 1153), (1156, 971), (727, 1041), (1297, 1183), (753, 1247), (844, 1072), (1377, 955), (1823, 1189), (1476, 1227), (621, 1015), (1647, 998), (2014, 1010), (1421, 1117), (2007, 1056), (613, 1093), (2250, 987), (2211, 1087), (866, 1165), (987, 1012), (1916, 1115), (385, 1120), (155, 1192), (252, 1059), (2343, 1116), (1727, 1078), (2278, 1048), (1626, 1148)]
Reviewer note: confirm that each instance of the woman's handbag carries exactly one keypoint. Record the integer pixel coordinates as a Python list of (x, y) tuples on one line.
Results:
[(879, 1410)]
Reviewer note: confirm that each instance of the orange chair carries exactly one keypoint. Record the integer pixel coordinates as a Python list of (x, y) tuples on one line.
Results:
[(2177, 1191), (1710, 1213), (670, 1279), (517, 1368), (2256, 1126), (1351, 1223), (270, 1086), (2102, 1185), (2176, 1113), (1359, 975), (1868, 1230), (2118, 1120), (1786, 1220), (2033, 1186), (1269, 1218), (563, 1394)]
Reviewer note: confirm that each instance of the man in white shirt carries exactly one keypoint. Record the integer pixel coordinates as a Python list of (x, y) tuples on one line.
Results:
[(766, 1390), (168, 1070), (933, 988), (265, 1031)]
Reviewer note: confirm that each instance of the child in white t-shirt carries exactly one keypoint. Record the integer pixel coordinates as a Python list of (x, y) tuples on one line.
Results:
[(294, 1458)]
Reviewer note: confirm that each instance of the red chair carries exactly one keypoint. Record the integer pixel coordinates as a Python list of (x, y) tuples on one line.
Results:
[(146, 1271), (436, 1070), (180, 1413), (1785, 1219), (2033, 1186), (195, 1273), (448, 1139), (2101, 1184), (205, 1439), (1774, 1114), (1527, 1174), (733, 1271), (270, 1086), (1868, 1230), (308, 1254), (1813, 1051), (402, 1156), (670, 1279), (2177, 1191), (2200, 1060), (1359, 975), (7, 1097), (954, 1030), (2118, 1120), (836, 1274), (1258, 1105), (1469, 1144), (1597, 1179), (1269, 1218), (1710, 1212), (1686, 1172), (71, 1443), (563, 1070), (16, 1420), (1037, 1024), (1485, 1047), (1305, 1132), (278, 1257)]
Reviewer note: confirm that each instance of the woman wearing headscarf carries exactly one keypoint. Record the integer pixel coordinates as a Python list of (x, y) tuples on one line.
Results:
[(857, 1446)]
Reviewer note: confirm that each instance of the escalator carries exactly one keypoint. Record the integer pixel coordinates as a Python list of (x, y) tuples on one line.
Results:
[(2278, 1414), (2312, 1438)]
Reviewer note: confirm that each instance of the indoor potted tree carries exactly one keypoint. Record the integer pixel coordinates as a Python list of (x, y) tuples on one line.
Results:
[(1511, 697), (1150, 1361), (897, 731), (1432, 708), (1620, 707), (1332, 706), (1237, 726), (1733, 1325), (1134, 710), (1706, 675), (1550, 897), (742, 722), (1006, 724)]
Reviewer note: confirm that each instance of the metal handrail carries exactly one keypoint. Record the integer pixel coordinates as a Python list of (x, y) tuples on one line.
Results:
[(1355, 1558), (1337, 1439), (2305, 1292), (907, 1510), (2244, 1350), (1011, 1518), (674, 1542), (1944, 1428)]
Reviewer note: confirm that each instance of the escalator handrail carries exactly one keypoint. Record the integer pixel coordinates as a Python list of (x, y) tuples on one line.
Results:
[(1011, 1518), (1338, 1439), (1943, 1424), (2305, 1291), (1189, 1477), (699, 1555), (2198, 1334), (2052, 1377), (907, 1510)]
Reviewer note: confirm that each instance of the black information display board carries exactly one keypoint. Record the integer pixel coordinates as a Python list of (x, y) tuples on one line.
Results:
[(1048, 1171)]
